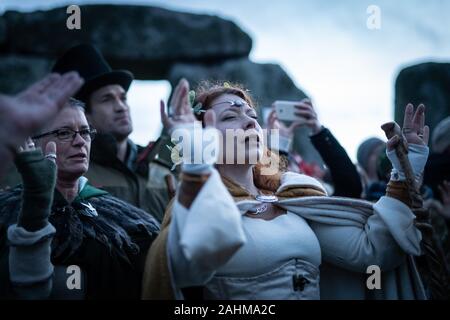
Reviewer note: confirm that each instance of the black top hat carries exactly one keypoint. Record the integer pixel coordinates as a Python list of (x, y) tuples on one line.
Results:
[(93, 68)]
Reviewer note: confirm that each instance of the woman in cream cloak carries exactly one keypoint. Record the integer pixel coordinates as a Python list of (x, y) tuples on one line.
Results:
[(208, 237)]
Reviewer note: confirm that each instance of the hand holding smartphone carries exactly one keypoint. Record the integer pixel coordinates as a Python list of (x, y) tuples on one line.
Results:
[(286, 112)]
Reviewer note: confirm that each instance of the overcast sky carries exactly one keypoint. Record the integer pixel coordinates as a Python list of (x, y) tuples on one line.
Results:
[(326, 47)]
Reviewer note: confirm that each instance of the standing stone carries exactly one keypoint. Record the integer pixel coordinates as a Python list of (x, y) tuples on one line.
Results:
[(2, 32), (146, 40), (427, 83), (266, 82), (18, 72)]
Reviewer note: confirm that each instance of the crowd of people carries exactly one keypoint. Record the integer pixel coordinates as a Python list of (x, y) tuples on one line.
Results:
[(77, 191)]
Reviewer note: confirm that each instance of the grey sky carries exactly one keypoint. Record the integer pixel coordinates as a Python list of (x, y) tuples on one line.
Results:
[(325, 46)]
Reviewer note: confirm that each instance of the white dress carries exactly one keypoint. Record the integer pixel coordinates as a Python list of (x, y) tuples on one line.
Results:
[(237, 257)]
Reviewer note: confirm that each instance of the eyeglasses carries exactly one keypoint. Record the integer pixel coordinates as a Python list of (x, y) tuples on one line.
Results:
[(66, 134)]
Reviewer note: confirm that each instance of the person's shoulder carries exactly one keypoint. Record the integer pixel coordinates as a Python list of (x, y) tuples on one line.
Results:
[(292, 180), (108, 200), (113, 207)]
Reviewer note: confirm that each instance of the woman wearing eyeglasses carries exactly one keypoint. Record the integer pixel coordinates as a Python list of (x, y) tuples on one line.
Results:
[(60, 237), (246, 230)]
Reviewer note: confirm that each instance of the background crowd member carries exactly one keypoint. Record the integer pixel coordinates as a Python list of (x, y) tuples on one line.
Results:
[(437, 177), (368, 156), (24, 113), (437, 169), (118, 165), (57, 220), (344, 176), (439, 209)]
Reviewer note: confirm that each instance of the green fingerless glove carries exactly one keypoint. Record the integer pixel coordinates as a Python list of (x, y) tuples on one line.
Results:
[(39, 178)]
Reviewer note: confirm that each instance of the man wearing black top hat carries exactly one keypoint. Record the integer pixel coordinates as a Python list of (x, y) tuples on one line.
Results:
[(117, 164)]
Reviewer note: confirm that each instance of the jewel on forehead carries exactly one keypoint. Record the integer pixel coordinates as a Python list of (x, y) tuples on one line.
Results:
[(237, 103)]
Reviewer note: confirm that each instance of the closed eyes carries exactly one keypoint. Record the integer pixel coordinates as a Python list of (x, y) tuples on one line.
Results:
[(231, 117)]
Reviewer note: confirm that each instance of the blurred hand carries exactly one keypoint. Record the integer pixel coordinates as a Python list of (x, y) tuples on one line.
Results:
[(23, 114), (305, 110)]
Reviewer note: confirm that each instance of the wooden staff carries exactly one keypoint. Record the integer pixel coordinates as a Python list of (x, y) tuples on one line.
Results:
[(437, 269)]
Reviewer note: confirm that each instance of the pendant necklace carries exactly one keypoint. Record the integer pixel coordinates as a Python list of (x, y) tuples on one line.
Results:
[(265, 199)]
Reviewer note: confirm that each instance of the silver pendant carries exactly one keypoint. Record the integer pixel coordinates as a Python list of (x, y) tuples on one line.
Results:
[(262, 208), (266, 198)]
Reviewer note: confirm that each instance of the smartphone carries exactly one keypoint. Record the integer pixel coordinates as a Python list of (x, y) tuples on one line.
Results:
[(286, 111)]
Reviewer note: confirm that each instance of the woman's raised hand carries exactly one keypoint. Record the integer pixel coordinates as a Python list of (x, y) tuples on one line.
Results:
[(180, 107), (413, 144), (414, 129), (50, 149)]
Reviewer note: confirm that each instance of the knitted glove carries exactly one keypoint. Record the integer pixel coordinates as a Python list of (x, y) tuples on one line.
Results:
[(39, 178)]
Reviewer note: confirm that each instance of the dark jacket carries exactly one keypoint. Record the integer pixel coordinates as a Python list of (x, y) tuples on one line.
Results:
[(436, 171), (127, 181), (109, 248), (343, 172)]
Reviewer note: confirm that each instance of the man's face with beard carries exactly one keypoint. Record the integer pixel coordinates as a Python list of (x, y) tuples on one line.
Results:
[(109, 111)]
